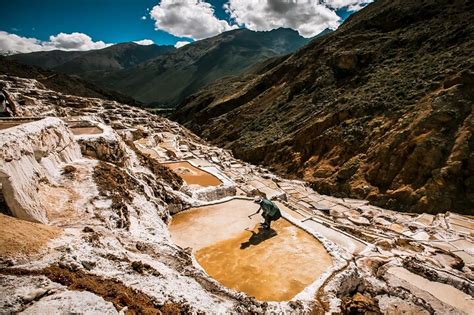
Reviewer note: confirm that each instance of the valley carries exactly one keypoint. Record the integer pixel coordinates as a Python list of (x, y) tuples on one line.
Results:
[(267, 157)]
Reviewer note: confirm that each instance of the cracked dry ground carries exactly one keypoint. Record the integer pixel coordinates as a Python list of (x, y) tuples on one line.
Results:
[(95, 177)]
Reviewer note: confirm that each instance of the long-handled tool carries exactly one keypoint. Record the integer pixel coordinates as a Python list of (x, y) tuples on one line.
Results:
[(250, 216)]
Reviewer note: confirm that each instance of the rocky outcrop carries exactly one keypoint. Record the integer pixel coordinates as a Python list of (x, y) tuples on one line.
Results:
[(30, 154), (380, 109), (107, 146)]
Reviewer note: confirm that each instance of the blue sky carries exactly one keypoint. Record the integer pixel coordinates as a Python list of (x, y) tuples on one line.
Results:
[(111, 21), (114, 21)]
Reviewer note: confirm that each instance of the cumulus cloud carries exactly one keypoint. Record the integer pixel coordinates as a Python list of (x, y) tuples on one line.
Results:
[(196, 19), (74, 41), (180, 44), (12, 43), (143, 17), (188, 18), (144, 42), (351, 5), (308, 17)]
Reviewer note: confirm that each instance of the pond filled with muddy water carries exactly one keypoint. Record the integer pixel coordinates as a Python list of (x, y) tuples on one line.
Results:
[(86, 130), (270, 265), (193, 175)]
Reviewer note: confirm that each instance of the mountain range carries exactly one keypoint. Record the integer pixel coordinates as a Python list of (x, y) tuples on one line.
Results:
[(61, 82), (89, 63), (163, 76)]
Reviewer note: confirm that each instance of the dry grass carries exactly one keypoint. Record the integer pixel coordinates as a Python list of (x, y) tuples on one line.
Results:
[(23, 238)]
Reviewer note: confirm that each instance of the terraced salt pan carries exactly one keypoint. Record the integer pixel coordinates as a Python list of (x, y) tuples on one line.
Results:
[(193, 175), (8, 124), (86, 130), (212, 223), (271, 265), (443, 292), (350, 244)]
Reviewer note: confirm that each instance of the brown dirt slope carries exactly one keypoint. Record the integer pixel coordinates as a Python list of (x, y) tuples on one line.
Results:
[(380, 109), (22, 238)]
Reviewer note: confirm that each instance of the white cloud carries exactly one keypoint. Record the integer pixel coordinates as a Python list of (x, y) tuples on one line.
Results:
[(12, 43), (351, 5), (196, 19), (180, 44), (308, 17), (144, 42), (143, 17), (74, 41), (188, 18)]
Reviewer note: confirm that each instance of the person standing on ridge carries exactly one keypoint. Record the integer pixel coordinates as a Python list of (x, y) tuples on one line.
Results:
[(270, 211)]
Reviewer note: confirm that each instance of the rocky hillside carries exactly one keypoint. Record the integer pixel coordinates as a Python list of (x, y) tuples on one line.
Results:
[(61, 82), (46, 59), (380, 109), (93, 220)]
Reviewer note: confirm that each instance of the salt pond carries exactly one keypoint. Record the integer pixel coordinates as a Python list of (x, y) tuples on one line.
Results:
[(271, 265)]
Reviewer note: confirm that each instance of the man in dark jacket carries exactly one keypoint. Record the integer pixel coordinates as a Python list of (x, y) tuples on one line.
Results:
[(270, 211)]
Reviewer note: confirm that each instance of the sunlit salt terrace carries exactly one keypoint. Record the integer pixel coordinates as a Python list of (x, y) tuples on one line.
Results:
[(107, 212)]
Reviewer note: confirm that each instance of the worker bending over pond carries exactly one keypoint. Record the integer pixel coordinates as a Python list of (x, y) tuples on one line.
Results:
[(270, 211)]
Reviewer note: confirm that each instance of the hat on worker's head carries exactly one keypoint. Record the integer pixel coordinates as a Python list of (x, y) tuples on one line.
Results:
[(258, 199)]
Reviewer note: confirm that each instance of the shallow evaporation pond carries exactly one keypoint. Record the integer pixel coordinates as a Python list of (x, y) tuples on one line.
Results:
[(86, 130), (193, 175), (270, 265), (12, 123), (6, 125)]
